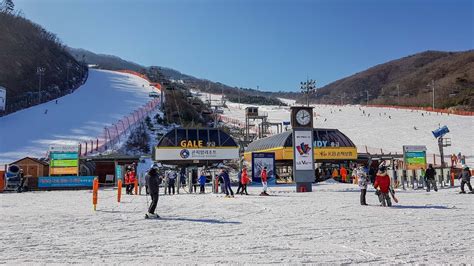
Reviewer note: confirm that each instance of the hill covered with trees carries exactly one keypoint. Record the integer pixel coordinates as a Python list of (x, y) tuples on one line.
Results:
[(408, 82), (29, 53)]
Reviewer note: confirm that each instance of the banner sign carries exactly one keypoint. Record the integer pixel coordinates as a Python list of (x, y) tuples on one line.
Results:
[(64, 156), (64, 181), (261, 160), (64, 148), (164, 154), (303, 150), (414, 157), (63, 170), (63, 163), (342, 153)]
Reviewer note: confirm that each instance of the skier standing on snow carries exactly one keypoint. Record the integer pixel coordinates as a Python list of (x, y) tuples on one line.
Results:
[(382, 184), (430, 178), (465, 177), (202, 183), (244, 180), (363, 181), (263, 176), (129, 181), (227, 186), (239, 177), (171, 181), (153, 182)]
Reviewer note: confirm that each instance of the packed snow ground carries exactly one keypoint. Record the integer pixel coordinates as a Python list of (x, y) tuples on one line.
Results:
[(106, 97), (326, 226), (386, 128)]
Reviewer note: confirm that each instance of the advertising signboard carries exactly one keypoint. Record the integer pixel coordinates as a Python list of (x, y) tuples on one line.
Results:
[(64, 159), (303, 150), (414, 157), (3, 98), (63, 170), (261, 160), (118, 172), (64, 163), (65, 181)]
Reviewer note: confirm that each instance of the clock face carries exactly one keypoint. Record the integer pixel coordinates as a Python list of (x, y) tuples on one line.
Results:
[(303, 117)]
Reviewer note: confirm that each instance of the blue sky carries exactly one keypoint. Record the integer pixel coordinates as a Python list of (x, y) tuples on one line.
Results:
[(270, 44)]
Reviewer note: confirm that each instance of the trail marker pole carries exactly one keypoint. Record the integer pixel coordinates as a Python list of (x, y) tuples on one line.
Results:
[(119, 189)]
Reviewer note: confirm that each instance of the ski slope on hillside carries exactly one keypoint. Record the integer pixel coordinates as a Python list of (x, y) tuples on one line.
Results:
[(379, 128), (105, 98)]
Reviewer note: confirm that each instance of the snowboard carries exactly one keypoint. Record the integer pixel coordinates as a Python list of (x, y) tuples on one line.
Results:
[(392, 193), (156, 216)]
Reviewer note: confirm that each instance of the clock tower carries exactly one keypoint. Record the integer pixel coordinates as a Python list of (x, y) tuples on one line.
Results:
[(303, 153)]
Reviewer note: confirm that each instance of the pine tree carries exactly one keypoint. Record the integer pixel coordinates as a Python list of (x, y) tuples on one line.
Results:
[(7, 6)]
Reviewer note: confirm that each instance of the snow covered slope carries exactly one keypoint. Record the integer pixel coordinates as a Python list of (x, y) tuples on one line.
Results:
[(327, 226), (105, 98), (386, 129)]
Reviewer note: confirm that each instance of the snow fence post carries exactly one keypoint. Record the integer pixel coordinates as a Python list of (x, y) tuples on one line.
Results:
[(95, 192), (135, 186), (119, 189)]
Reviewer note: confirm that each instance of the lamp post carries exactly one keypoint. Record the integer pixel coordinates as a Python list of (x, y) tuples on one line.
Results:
[(40, 72), (398, 94), (367, 92), (308, 87)]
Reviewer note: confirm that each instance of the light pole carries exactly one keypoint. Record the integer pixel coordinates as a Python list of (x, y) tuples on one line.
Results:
[(308, 87), (40, 72), (432, 85), (398, 94), (367, 92)]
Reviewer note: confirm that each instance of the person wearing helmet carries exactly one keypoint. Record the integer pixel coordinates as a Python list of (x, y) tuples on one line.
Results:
[(153, 181), (465, 177), (382, 185)]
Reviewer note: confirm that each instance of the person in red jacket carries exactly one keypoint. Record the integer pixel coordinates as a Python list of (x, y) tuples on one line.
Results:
[(382, 184), (244, 180), (130, 181), (263, 176)]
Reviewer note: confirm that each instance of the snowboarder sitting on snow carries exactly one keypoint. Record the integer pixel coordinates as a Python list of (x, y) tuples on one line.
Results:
[(153, 182), (465, 177), (382, 185), (430, 178)]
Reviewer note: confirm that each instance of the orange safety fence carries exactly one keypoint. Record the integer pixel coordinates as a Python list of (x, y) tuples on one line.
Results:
[(154, 84), (428, 109)]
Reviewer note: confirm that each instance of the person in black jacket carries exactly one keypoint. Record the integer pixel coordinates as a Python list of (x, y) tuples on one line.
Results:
[(430, 178), (153, 180)]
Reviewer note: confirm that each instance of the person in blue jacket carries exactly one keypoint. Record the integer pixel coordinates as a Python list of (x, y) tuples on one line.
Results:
[(202, 183)]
